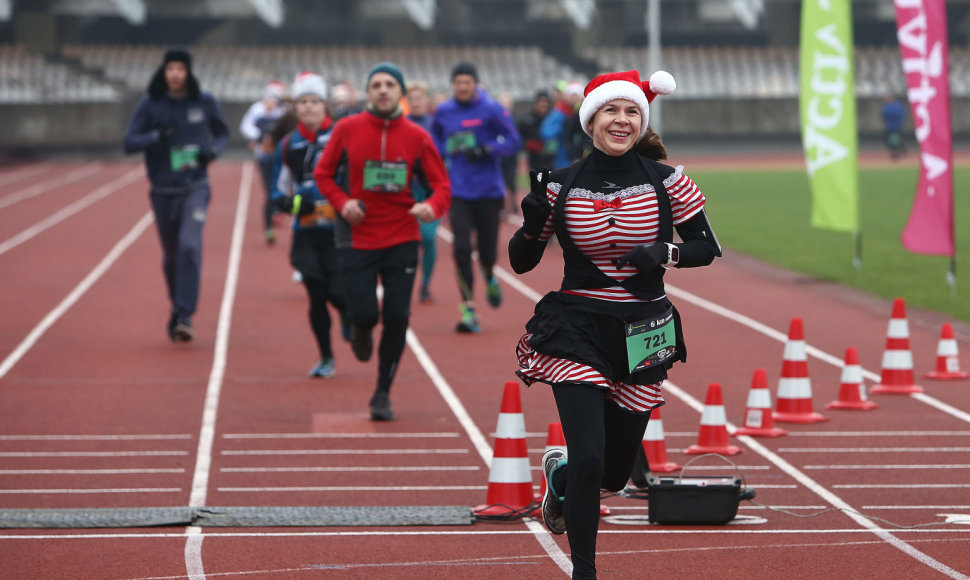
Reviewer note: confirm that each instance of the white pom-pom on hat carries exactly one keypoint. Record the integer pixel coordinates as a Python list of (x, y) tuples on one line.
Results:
[(624, 85)]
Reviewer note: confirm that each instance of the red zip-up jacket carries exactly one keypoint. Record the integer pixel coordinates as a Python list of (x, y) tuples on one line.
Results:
[(364, 140)]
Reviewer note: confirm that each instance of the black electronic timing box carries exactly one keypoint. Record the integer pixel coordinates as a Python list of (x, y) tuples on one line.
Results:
[(693, 500)]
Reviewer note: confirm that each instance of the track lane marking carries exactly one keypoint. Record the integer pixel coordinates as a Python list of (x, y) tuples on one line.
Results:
[(23, 172), (70, 210), (337, 435), (71, 491), (377, 469), (150, 453), (203, 461), (245, 452), (819, 490), (45, 186), (83, 286), (145, 437), (125, 471), (343, 488)]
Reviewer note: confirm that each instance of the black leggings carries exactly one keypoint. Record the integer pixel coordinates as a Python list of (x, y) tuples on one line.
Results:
[(395, 266), (481, 215), (602, 440), (320, 292)]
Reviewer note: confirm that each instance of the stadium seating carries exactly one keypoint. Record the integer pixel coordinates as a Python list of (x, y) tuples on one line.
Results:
[(27, 78)]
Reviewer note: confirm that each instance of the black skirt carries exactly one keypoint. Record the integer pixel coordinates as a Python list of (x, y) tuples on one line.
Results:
[(591, 332)]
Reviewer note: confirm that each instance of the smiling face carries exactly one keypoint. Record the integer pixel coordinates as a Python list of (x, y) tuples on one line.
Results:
[(383, 93), (310, 110), (615, 127)]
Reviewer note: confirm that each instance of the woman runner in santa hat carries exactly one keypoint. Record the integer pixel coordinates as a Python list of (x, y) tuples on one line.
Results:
[(606, 339)]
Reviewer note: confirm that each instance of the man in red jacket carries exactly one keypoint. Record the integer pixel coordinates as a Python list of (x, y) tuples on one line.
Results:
[(375, 154)]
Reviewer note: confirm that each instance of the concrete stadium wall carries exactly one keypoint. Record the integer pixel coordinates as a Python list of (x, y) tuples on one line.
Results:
[(101, 126)]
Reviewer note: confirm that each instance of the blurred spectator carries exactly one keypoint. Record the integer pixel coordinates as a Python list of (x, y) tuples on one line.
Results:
[(257, 127), (540, 153), (562, 125), (511, 163), (344, 101), (474, 132), (893, 114), (181, 130), (420, 104)]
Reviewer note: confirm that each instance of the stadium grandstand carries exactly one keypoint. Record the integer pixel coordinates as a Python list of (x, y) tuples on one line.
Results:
[(71, 70)]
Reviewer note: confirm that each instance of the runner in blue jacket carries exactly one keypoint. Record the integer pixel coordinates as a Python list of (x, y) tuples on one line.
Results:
[(473, 132), (181, 130)]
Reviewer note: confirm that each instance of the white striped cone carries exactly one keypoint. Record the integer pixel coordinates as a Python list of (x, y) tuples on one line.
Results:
[(758, 420), (852, 393), (654, 445), (509, 479), (794, 403), (897, 359), (947, 358), (713, 435)]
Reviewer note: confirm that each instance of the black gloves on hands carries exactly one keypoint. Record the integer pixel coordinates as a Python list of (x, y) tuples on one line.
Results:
[(302, 205), (645, 257), (535, 206), (205, 157), (478, 153)]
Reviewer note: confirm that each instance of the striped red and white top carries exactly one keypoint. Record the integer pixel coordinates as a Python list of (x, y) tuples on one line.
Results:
[(604, 226)]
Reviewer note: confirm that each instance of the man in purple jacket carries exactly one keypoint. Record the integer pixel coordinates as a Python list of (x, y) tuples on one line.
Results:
[(181, 130), (473, 132)]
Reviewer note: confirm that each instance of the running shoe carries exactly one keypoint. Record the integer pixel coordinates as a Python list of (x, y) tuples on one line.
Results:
[(552, 502), (361, 343), (324, 369), (170, 327), (426, 297), (183, 331), (380, 407), (270, 237), (494, 293), (469, 320)]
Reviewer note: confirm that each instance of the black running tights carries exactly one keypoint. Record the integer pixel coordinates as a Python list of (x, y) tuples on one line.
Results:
[(602, 440)]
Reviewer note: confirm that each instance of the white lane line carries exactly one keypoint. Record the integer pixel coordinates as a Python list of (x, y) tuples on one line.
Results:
[(23, 172), (45, 186), (150, 453), (896, 466), (339, 435), (817, 353), (27, 343), (203, 460), (376, 469), (89, 471), (823, 493), (146, 437), (90, 491), (879, 434), (70, 210), (351, 488), (873, 449), (916, 507), (504, 532), (479, 442), (343, 451), (901, 485)]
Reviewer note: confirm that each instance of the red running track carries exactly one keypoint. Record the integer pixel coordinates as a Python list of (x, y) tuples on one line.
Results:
[(98, 409)]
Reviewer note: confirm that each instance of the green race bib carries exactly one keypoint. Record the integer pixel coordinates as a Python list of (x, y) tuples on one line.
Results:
[(184, 157), (385, 176), (461, 141), (651, 341)]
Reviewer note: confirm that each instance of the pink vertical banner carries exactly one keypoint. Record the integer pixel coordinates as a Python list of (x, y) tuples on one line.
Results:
[(921, 29)]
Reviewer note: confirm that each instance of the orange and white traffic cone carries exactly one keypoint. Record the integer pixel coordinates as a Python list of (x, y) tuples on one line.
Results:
[(509, 479), (757, 416), (852, 393), (947, 358), (555, 439), (794, 403), (713, 435), (897, 359), (654, 445)]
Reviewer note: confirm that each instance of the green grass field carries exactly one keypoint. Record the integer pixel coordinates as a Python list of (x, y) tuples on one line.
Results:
[(765, 214)]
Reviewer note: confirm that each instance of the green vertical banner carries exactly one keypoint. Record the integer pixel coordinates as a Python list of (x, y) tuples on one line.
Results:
[(828, 113)]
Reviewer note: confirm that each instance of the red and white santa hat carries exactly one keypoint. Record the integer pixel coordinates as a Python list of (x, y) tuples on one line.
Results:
[(624, 85), (274, 90), (309, 83)]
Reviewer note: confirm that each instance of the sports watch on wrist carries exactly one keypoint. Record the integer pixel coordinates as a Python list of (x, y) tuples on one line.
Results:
[(673, 255)]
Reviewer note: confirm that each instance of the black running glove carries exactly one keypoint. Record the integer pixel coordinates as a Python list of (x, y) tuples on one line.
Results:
[(478, 153), (205, 157), (645, 257), (535, 206)]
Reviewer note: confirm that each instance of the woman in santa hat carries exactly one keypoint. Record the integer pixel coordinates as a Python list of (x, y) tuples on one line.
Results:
[(606, 339)]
